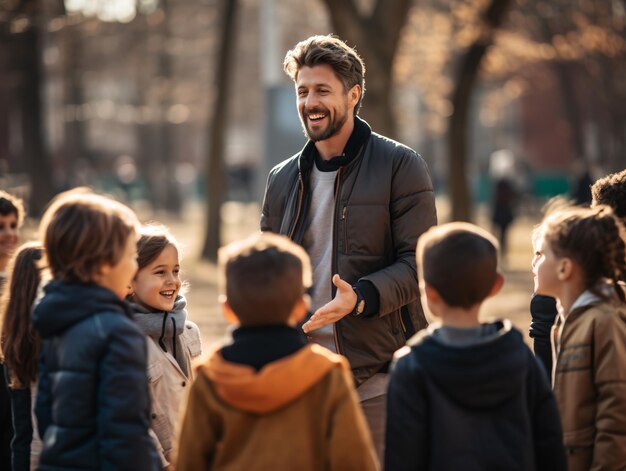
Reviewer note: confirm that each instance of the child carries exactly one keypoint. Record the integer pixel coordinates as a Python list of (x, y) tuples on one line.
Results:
[(270, 400), (610, 190), (93, 404), (159, 309), (20, 351), (580, 260), (11, 218), (465, 394)]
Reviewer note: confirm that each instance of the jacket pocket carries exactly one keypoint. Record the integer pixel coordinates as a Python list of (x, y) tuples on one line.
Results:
[(155, 372), (579, 448)]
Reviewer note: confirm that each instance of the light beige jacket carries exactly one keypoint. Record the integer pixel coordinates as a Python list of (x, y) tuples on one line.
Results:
[(168, 387), (590, 384)]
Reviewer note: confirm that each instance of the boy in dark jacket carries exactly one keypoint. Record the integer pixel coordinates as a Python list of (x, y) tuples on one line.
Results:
[(465, 394), (92, 401), (270, 400)]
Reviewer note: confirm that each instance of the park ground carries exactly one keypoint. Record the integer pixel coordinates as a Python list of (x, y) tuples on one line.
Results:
[(241, 220)]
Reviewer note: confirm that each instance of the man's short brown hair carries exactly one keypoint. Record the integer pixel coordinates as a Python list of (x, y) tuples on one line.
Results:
[(459, 260), (264, 277), (611, 191), (317, 50), (82, 231)]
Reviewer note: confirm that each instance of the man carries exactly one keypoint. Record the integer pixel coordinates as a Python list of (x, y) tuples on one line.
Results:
[(357, 202)]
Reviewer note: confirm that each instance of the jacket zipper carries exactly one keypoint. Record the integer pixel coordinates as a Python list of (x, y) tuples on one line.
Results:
[(299, 207), (344, 223), (334, 258)]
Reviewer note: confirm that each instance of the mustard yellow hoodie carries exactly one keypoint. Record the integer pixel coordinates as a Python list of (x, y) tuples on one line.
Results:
[(297, 413)]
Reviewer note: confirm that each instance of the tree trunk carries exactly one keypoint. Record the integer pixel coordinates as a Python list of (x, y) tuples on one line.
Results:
[(214, 173), (375, 36), (33, 135), (466, 77)]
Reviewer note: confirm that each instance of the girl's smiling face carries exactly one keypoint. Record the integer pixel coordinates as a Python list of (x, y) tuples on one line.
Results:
[(157, 284)]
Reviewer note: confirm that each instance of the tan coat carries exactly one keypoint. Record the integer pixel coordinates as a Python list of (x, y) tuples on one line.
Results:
[(590, 386), (168, 386), (298, 413)]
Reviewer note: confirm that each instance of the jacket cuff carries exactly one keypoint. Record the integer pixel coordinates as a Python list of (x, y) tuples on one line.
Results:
[(370, 294)]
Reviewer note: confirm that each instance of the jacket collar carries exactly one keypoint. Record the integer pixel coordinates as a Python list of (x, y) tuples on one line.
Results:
[(356, 141)]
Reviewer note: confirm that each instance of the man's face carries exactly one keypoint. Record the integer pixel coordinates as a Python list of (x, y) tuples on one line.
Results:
[(323, 104)]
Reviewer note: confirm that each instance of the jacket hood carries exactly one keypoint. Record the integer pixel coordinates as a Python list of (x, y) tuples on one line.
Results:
[(484, 375), (65, 304), (242, 387)]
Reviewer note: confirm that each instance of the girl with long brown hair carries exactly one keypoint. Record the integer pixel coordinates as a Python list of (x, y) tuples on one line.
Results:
[(19, 344), (580, 260)]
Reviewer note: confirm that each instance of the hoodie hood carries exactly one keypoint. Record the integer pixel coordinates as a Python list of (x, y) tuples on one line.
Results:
[(65, 304), (483, 375), (242, 387)]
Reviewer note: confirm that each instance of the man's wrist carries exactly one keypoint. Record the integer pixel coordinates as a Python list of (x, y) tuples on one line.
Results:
[(359, 305)]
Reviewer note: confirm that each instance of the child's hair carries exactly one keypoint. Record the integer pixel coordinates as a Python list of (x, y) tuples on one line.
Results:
[(152, 241), (611, 191), (459, 260), (82, 231), (19, 340), (593, 238), (10, 204), (264, 276)]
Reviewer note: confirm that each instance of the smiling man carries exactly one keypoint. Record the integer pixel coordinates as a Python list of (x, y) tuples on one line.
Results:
[(357, 202)]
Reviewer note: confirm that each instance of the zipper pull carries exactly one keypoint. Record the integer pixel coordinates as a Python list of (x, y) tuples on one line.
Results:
[(343, 214)]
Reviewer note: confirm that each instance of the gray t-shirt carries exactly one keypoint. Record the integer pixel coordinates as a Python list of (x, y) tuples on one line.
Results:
[(318, 242)]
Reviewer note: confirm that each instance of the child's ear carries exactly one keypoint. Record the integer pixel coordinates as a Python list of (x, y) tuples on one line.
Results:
[(298, 313), (566, 268), (431, 293), (229, 314), (497, 285)]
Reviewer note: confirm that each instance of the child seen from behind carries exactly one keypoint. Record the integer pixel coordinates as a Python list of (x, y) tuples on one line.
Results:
[(465, 394), (159, 309), (93, 404), (20, 346), (270, 400)]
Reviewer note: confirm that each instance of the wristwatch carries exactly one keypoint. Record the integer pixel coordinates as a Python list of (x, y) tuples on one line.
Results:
[(359, 307)]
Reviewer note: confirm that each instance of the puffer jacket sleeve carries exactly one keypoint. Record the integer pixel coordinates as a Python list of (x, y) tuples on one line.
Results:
[(412, 212), (43, 407), (609, 451), (406, 438), (124, 403)]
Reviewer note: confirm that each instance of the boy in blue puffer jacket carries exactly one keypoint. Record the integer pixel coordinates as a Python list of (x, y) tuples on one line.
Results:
[(92, 403), (465, 394)]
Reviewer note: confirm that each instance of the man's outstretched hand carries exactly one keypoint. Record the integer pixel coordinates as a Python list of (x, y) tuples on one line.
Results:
[(342, 305)]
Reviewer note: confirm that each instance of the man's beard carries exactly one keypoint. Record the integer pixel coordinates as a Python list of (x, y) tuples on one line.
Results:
[(332, 128)]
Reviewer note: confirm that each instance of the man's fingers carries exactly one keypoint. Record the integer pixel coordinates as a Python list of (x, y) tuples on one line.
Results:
[(341, 284)]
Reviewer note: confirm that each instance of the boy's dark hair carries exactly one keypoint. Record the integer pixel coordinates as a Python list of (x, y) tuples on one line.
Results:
[(264, 276), (10, 204), (82, 231), (611, 191), (459, 260), (19, 341), (344, 60)]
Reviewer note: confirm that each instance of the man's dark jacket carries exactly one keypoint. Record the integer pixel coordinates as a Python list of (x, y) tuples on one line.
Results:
[(384, 201), (481, 407), (93, 404)]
